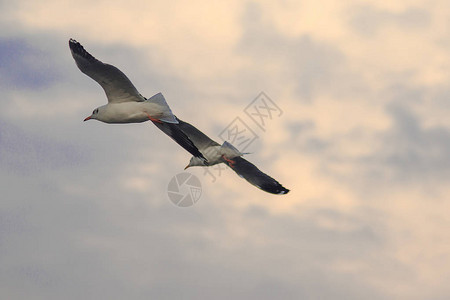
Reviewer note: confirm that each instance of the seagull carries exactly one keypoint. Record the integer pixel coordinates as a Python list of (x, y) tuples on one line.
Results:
[(229, 155), (125, 103)]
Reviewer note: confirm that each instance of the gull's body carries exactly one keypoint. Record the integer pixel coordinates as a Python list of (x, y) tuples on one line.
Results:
[(134, 112), (215, 154), (125, 103), (229, 155)]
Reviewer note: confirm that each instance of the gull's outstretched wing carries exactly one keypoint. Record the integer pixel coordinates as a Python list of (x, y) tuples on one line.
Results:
[(201, 140), (252, 174), (117, 86), (174, 131)]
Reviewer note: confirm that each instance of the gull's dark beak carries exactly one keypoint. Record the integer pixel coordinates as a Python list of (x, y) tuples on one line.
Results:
[(186, 167), (88, 118)]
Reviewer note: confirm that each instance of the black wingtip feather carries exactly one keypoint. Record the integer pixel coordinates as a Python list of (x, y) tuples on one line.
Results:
[(78, 49), (253, 175), (274, 188)]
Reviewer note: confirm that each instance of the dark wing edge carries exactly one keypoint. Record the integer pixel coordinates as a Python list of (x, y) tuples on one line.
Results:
[(78, 49), (253, 175), (115, 83), (176, 134), (201, 140)]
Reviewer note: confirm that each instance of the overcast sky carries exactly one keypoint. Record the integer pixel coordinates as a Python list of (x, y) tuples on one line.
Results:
[(361, 137)]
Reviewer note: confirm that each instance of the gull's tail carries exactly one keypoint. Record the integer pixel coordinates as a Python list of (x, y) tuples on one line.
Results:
[(167, 115)]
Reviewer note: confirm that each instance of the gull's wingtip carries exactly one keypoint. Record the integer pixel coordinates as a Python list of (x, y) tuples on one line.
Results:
[(74, 45), (284, 191), (78, 49), (276, 189), (73, 41)]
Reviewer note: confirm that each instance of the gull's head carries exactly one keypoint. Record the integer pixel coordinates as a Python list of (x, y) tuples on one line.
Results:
[(195, 161), (95, 114)]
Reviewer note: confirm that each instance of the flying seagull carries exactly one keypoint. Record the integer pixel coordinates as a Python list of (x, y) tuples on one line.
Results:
[(229, 155), (125, 104)]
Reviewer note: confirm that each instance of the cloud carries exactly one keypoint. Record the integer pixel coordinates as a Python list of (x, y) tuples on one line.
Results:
[(22, 66), (362, 145), (28, 154), (405, 152), (310, 65), (413, 152), (369, 20)]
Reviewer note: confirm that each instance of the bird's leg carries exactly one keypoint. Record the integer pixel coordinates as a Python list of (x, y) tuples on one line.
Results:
[(153, 119), (230, 161)]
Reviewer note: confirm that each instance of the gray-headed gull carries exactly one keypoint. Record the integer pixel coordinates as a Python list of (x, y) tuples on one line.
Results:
[(125, 103), (229, 155)]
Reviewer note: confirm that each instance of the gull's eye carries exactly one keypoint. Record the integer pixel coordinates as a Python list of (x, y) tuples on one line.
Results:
[(95, 111)]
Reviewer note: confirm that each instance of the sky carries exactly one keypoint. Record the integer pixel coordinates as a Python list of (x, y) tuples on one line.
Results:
[(360, 135)]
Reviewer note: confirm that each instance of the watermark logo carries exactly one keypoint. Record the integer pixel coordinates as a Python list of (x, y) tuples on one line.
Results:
[(184, 189), (262, 109), (238, 134), (214, 169)]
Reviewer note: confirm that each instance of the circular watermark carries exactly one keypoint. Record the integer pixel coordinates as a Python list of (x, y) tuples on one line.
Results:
[(184, 189)]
